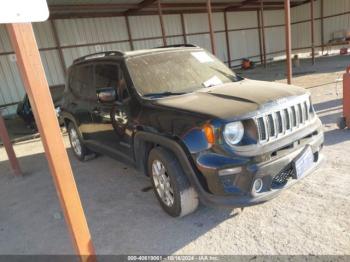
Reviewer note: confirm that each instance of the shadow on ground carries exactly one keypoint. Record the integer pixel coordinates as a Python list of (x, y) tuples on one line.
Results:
[(122, 215)]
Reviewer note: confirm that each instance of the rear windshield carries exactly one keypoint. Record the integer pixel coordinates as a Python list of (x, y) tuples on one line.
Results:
[(177, 72)]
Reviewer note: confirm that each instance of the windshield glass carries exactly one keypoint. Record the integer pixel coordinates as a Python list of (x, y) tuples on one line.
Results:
[(177, 72)]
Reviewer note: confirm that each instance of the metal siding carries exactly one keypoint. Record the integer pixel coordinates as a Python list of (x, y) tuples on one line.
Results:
[(275, 17), (275, 40), (5, 44), (11, 87), (221, 50), (44, 35), (334, 24), (91, 30), (145, 26), (172, 24), (196, 23), (301, 35), (244, 43), (336, 6), (218, 21), (174, 40), (202, 40), (52, 67), (236, 20), (302, 12)]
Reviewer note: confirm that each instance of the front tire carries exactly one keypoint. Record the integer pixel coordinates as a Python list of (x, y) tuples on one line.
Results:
[(79, 149), (174, 192)]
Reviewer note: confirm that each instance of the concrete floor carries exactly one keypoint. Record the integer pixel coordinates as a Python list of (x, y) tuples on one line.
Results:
[(124, 217)]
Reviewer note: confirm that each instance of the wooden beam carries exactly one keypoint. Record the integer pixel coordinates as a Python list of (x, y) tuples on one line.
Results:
[(211, 30), (260, 36), (160, 14), (183, 26), (288, 41), (151, 4), (129, 32), (93, 7), (35, 83), (5, 138), (227, 40), (263, 31), (312, 31), (75, 15), (322, 25)]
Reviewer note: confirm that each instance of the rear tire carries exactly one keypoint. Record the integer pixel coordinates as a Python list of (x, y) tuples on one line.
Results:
[(174, 192), (79, 149)]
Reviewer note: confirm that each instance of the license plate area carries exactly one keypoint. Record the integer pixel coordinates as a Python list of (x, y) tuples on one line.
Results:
[(303, 162)]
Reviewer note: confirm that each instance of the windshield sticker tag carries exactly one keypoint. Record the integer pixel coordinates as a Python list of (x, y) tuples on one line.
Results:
[(214, 81), (202, 57)]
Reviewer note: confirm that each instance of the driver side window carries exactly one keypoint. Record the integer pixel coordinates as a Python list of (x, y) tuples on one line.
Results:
[(110, 79)]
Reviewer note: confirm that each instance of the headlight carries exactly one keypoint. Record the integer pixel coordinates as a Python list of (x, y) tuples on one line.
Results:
[(233, 133)]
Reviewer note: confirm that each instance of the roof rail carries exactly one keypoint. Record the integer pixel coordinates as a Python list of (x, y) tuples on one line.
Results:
[(178, 45), (98, 55)]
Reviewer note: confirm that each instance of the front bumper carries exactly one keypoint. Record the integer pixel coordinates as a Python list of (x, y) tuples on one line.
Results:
[(250, 199), (235, 190)]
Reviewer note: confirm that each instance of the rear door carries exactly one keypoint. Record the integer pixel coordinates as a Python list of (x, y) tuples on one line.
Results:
[(81, 103)]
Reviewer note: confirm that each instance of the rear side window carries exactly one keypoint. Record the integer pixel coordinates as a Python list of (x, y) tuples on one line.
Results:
[(81, 81)]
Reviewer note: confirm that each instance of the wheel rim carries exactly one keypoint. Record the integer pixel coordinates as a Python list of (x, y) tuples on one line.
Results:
[(162, 183), (75, 141), (121, 117)]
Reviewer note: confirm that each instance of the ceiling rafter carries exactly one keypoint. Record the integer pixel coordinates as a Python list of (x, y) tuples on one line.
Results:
[(140, 6), (149, 7)]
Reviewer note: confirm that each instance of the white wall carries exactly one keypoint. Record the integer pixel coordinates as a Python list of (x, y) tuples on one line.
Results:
[(100, 34)]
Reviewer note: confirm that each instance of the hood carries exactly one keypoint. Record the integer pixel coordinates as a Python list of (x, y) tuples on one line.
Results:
[(232, 99)]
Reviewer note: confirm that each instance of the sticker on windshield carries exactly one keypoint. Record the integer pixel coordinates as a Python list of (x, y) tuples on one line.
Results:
[(202, 57), (214, 81)]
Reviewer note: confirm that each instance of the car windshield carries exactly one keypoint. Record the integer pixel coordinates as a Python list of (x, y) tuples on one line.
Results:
[(173, 73)]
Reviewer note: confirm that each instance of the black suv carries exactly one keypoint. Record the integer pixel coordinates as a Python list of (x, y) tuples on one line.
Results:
[(199, 131)]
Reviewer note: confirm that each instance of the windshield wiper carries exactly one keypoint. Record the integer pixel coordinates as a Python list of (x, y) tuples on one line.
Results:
[(166, 93)]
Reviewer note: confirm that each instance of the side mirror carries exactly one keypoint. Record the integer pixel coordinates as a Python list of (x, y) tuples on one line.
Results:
[(107, 95)]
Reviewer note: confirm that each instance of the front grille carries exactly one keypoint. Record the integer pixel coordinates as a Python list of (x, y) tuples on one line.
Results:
[(277, 123), (282, 177)]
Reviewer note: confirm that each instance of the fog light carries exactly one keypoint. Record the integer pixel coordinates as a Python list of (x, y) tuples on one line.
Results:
[(258, 185)]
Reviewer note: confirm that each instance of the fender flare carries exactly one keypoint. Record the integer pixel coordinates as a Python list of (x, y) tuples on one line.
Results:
[(175, 148), (64, 115)]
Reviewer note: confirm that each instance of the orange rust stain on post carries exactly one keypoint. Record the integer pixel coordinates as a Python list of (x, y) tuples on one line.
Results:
[(35, 83), (288, 33)]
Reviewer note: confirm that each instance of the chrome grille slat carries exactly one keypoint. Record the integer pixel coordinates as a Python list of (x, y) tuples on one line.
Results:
[(301, 116), (294, 117), (271, 125), (306, 111), (277, 123), (286, 119)]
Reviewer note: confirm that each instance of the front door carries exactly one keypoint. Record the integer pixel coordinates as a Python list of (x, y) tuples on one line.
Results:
[(111, 110)]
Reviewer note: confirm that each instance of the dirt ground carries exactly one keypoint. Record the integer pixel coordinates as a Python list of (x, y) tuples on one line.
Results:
[(312, 217)]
